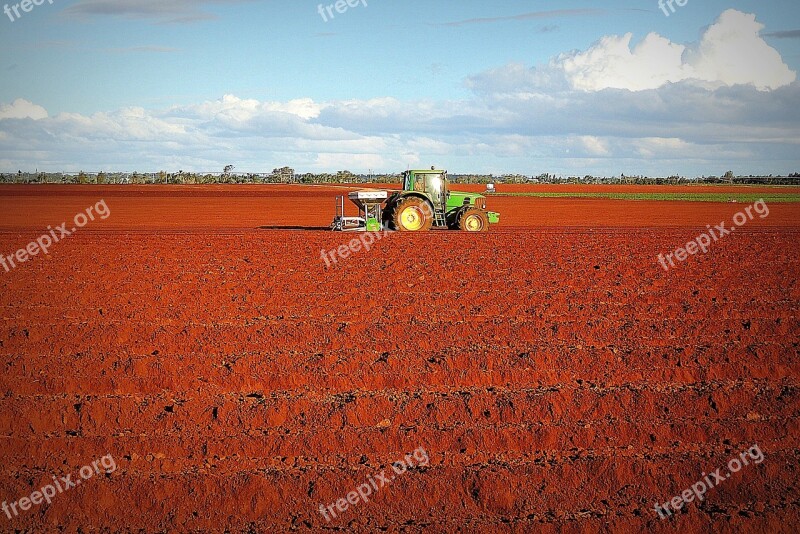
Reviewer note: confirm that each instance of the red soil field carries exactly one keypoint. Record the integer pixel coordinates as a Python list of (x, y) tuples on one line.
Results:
[(597, 188), (557, 378), (311, 207)]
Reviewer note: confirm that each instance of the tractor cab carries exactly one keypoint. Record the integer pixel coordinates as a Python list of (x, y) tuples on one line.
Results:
[(432, 184)]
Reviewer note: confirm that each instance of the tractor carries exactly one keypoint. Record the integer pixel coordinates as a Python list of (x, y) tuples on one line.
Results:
[(424, 202)]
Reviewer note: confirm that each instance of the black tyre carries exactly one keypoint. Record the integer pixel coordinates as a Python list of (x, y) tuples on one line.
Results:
[(412, 215), (473, 220)]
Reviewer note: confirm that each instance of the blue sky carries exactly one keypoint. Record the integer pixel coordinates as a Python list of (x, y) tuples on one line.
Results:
[(529, 87)]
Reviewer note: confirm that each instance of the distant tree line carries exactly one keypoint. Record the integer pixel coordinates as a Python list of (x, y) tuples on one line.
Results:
[(288, 175)]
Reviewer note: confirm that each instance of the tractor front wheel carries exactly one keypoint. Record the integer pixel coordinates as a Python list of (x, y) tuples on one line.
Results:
[(412, 215), (473, 220)]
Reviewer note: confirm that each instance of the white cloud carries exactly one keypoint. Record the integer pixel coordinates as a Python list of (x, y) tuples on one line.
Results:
[(733, 52), (328, 162), (652, 147), (22, 109), (611, 64), (730, 52), (595, 145), (305, 108), (235, 109), (658, 131)]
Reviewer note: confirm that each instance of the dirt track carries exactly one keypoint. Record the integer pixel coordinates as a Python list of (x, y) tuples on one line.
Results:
[(557, 377)]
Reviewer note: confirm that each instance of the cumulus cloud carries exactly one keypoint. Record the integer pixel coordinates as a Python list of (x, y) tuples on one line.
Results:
[(664, 130), (22, 109), (612, 64), (730, 52), (595, 145), (256, 135), (243, 110), (330, 161)]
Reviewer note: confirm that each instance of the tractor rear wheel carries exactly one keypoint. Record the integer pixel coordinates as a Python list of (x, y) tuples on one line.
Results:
[(473, 220), (412, 215)]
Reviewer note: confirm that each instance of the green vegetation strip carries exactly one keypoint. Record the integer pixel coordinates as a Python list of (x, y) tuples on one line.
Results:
[(683, 197)]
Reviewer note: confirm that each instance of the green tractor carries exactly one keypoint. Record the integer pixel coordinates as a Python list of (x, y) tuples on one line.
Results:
[(425, 202)]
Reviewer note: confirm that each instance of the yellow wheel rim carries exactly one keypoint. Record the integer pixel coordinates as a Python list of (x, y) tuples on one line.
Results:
[(412, 219), (474, 223)]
